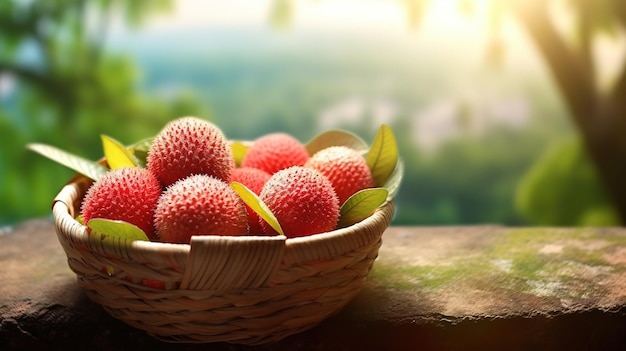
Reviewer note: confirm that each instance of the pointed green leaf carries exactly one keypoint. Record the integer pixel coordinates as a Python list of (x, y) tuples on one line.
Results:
[(361, 205), (258, 206), (88, 168), (116, 228), (239, 151), (116, 154), (394, 181), (383, 155), (140, 151), (335, 138)]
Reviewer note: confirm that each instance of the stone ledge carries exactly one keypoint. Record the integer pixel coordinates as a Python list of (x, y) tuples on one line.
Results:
[(471, 287)]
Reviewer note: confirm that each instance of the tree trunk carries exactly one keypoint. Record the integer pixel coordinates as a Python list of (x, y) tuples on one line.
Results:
[(600, 119), (605, 141)]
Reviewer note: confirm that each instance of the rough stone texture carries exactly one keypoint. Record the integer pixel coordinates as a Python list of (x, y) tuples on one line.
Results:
[(453, 288)]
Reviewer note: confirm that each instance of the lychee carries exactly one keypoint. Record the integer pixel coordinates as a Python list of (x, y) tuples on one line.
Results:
[(199, 205), (346, 169), (126, 194), (302, 200), (187, 146), (275, 151), (253, 179)]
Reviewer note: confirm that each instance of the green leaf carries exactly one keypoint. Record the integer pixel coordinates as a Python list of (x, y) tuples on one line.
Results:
[(140, 151), (335, 138), (88, 168), (361, 205), (258, 206), (239, 151), (383, 155), (116, 154), (544, 197), (393, 183), (116, 228)]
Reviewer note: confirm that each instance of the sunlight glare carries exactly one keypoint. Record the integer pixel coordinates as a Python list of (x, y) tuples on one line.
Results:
[(440, 17)]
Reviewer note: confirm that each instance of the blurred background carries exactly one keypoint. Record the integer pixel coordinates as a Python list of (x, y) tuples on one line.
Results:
[(505, 111)]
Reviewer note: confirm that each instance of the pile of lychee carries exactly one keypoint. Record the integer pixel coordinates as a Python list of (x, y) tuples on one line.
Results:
[(184, 188)]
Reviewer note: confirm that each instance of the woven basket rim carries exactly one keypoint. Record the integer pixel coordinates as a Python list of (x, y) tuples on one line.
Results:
[(67, 202)]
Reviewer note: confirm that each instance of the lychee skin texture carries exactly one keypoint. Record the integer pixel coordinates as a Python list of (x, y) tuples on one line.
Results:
[(253, 179), (187, 146), (199, 205), (275, 151), (126, 194), (302, 200), (346, 169)]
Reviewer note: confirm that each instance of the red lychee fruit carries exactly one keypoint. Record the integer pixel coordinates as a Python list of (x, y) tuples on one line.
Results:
[(126, 194), (275, 151), (187, 146), (346, 169), (253, 179), (302, 200), (199, 205)]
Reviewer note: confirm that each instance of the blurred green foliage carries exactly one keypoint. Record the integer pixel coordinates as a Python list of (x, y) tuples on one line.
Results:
[(69, 91), (562, 189)]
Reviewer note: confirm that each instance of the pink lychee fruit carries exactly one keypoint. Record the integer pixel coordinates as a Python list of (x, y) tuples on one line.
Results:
[(199, 205), (126, 194), (253, 179), (275, 151), (302, 200), (187, 146), (346, 169)]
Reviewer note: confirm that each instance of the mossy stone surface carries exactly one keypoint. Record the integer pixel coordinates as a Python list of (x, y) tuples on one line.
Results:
[(490, 271)]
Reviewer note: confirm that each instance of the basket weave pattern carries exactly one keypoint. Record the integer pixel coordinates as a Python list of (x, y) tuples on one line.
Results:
[(248, 289)]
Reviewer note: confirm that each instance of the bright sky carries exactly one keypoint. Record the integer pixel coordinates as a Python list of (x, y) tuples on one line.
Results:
[(443, 25), (319, 14)]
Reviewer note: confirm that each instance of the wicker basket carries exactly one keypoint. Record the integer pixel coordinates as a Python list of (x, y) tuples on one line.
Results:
[(247, 290)]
